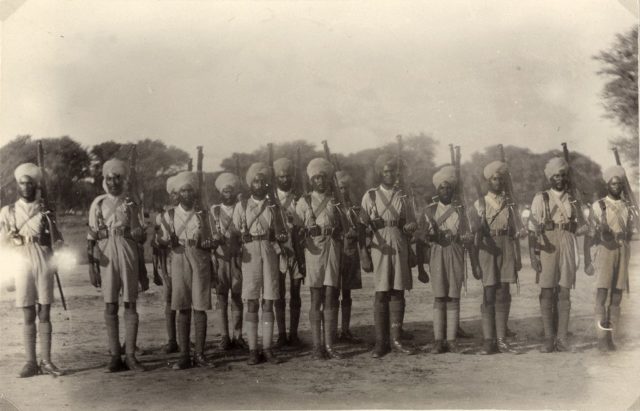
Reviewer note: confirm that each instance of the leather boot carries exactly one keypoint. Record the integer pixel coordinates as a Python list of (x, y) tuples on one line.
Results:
[(564, 310), (184, 331), (396, 313), (170, 320), (600, 333), (345, 332), (112, 325), (31, 367), (46, 366), (614, 321), (502, 315), (330, 331), (316, 330), (131, 321), (547, 313), (488, 329), (294, 320), (453, 321), (381, 321), (439, 325), (200, 322), (223, 321), (280, 318)]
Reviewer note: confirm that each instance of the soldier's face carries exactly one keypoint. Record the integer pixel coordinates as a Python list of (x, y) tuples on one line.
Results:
[(174, 198), (445, 192), (259, 186), (115, 184), (27, 188), (228, 195), (389, 175), (319, 183), (187, 196), (615, 187), (496, 183), (559, 180), (284, 180)]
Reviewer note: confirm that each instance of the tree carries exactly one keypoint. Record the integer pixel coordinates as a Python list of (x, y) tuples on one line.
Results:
[(620, 93), (66, 164)]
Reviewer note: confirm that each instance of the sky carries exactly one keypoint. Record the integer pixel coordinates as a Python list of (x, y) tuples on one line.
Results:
[(232, 76)]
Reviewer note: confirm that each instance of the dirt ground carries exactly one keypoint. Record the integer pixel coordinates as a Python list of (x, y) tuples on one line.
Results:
[(584, 379)]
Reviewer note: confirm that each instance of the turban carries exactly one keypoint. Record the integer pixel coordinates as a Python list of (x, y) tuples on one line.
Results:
[(555, 166), (30, 170), (446, 173), (184, 178), (255, 169), (613, 171), (170, 187), (343, 178), (383, 160), (114, 166), (319, 165), (494, 167), (281, 165), (227, 180)]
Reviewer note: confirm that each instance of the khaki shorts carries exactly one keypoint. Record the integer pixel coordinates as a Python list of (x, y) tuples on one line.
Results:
[(118, 257), (447, 270), (190, 279), (34, 280), (558, 259), (260, 273), (229, 276), (497, 258), (612, 259)]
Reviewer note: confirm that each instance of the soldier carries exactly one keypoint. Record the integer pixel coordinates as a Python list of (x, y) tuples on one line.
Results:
[(446, 261), (350, 278), (183, 230), (260, 277), (284, 170), (320, 218), (552, 246), (614, 223), (391, 222), (497, 256), (228, 262), (162, 255), (114, 233), (26, 230)]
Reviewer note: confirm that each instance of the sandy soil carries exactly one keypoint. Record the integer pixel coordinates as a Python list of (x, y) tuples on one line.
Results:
[(584, 379)]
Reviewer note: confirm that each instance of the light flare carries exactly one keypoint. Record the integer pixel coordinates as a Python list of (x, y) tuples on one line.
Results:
[(13, 262)]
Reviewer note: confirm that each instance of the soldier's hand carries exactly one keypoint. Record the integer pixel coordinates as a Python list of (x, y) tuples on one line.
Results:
[(410, 228), (582, 230), (94, 274), (477, 273), (536, 264), (217, 238), (523, 233), (423, 275), (205, 244), (282, 238), (589, 269)]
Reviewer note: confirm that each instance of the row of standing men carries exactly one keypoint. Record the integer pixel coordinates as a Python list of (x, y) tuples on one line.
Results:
[(324, 247)]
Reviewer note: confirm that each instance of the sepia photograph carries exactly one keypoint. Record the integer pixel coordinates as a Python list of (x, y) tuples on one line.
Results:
[(319, 204)]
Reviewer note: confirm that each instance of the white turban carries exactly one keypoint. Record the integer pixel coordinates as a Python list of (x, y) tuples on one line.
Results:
[(555, 166), (319, 165), (613, 171), (446, 173), (255, 169), (183, 179), (493, 168), (114, 166), (170, 188), (30, 170), (281, 165), (227, 180)]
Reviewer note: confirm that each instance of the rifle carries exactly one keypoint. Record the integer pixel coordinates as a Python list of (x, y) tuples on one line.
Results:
[(203, 197), (49, 216), (280, 221), (514, 213), (629, 197), (136, 198), (410, 212), (190, 164), (350, 211), (573, 190), (238, 171), (464, 218)]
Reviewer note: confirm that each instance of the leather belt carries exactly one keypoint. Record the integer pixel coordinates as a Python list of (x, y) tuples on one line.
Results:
[(104, 233)]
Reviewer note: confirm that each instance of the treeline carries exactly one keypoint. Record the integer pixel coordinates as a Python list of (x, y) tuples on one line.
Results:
[(75, 177)]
